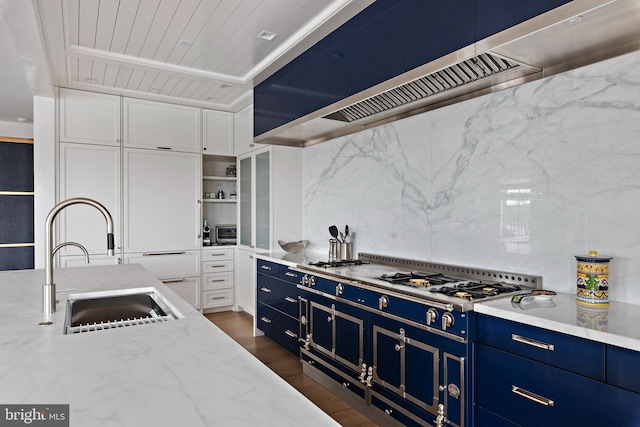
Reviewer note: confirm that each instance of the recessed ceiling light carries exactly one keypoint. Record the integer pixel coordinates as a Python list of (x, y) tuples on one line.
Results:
[(22, 120), (186, 42), (154, 90), (91, 81), (574, 19), (211, 99), (225, 87), (266, 35)]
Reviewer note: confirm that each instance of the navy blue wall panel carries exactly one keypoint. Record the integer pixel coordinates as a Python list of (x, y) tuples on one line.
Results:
[(16, 210), (386, 39), (16, 219), (497, 15), (16, 167), (19, 258)]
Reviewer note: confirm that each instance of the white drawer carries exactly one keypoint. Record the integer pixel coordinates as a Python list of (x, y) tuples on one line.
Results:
[(217, 298), (168, 265), (217, 266), (217, 254), (188, 289), (217, 281)]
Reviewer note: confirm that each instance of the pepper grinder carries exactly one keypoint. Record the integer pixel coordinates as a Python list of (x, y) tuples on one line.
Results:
[(220, 194)]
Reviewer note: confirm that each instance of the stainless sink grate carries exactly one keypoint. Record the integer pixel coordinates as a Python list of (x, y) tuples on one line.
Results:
[(89, 327)]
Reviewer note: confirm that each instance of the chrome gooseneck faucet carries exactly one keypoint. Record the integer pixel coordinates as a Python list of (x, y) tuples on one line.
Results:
[(49, 288)]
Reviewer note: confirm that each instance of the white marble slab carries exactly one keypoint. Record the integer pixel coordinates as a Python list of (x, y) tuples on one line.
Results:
[(519, 180), (180, 373)]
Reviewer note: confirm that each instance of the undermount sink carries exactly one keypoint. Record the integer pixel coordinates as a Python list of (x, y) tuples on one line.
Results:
[(94, 311)]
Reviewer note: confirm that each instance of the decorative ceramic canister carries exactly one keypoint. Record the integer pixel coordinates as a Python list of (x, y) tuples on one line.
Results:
[(593, 280)]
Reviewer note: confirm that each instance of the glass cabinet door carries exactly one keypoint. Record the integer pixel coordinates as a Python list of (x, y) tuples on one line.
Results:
[(245, 201), (263, 218)]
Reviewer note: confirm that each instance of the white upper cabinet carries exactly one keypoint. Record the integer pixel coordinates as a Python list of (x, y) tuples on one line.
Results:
[(160, 126), (90, 118), (243, 123), (217, 133), (162, 192)]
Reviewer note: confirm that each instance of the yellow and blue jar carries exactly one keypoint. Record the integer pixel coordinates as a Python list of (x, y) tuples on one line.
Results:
[(593, 280)]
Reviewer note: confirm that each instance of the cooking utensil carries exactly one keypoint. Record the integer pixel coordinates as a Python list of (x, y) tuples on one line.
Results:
[(342, 237), (333, 230), (346, 232)]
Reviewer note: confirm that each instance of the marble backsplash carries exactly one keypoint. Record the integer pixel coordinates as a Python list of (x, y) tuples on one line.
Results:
[(520, 180)]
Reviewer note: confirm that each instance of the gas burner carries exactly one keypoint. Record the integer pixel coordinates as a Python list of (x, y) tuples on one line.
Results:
[(418, 279), (475, 290), (337, 263)]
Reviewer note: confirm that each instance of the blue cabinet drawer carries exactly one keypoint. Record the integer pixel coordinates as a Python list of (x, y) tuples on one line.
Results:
[(279, 327), (291, 276), (485, 418), (623, 368), (268, 267), (533, 394), (279, 294), (563, 351)]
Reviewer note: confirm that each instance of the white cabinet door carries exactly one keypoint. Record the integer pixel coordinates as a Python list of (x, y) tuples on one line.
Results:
[(91, 118), (217, 133), (156, 125), (246, 284), (161, 200), (243, 132), (91, 171)]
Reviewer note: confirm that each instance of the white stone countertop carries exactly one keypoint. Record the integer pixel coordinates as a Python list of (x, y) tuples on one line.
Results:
[(616, 325), (292, 260), (184, 372)]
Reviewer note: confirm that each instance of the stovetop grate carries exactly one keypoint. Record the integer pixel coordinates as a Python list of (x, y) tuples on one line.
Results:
[(464, 273)]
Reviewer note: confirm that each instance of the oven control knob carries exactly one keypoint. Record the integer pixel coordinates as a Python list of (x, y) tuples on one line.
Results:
[(383, 302), (432, 316), (447, 321), (339, 289)]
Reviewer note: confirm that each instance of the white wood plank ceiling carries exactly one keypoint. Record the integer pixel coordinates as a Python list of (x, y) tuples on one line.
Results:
[(200, 52)]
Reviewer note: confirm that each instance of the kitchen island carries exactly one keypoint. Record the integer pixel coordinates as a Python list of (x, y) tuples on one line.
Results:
[(180, 372)]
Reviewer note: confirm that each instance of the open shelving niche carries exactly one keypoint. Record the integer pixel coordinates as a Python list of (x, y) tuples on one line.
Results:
[(214, 178)]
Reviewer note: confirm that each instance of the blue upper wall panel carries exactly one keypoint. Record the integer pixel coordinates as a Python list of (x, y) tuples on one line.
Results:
[(386, 39)]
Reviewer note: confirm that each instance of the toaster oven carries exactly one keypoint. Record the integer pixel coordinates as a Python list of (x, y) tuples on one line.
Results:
[(225, 234)]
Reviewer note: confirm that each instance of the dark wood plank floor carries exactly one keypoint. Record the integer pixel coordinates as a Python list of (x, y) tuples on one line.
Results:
[(239, 327)]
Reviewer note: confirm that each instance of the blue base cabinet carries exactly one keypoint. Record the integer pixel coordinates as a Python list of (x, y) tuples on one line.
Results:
[(537, 378), (277, 309)]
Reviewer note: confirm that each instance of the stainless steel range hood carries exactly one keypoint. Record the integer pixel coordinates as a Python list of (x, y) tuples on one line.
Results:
[(579, 33)]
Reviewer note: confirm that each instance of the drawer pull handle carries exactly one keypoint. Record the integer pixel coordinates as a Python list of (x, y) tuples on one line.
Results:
[(265, 320), (265, 267), (216, 254), (531, 396), (290, 274), (217, 280), (291, 334), (216, 266), (532, 342), (163, 253), (267, 290), (219, 297), (173, 281), (289, 299)]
